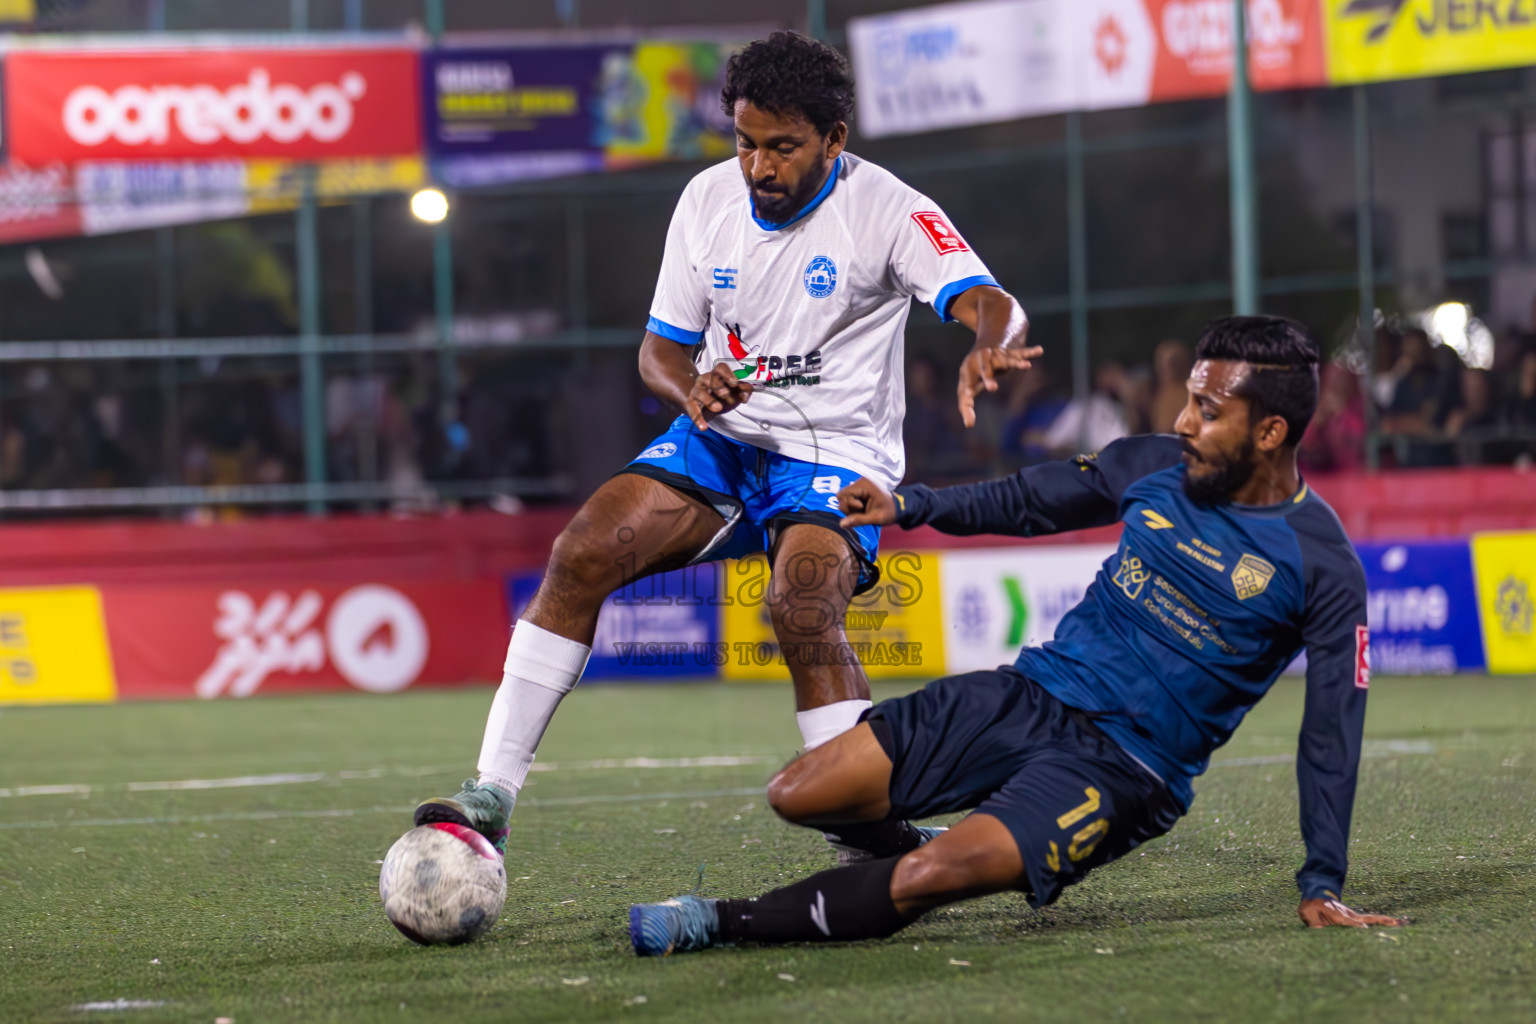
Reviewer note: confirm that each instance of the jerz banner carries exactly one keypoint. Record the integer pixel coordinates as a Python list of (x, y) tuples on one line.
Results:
[(1380, 40), (298, 103)]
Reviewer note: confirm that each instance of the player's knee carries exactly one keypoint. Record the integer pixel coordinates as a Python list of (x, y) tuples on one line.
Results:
[(788, 795), (580, 563)]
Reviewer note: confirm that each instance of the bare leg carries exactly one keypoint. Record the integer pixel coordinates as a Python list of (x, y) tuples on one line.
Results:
[(631, 527), (848, 780)]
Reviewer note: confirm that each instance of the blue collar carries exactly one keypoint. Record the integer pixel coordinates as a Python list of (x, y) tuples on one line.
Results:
[(826, 190)]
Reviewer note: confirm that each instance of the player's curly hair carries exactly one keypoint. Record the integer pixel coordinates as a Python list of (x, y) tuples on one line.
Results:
[(788, 73), (1284, 356)]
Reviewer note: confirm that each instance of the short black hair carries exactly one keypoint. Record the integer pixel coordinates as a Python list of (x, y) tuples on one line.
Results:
[(1284, 357), (788, 73)]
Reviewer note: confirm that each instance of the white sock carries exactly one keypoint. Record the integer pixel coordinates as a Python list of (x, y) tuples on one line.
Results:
[(541, 669), (821, 724)]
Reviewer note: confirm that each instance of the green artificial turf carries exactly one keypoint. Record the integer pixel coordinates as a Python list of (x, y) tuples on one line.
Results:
[(259, 902)]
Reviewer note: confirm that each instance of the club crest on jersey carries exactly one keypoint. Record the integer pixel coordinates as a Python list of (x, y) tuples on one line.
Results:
[(665, 450), (1251, 575), (820, 277)]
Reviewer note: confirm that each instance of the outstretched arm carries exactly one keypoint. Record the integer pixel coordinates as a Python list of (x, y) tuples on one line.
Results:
[(1039, 500), (1001, 330), (1328, 757)]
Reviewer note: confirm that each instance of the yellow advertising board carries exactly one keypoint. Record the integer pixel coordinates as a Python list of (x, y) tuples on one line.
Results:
[(53, 647), (896, 630), (1378, 40), (1505, 567), (279, 184)]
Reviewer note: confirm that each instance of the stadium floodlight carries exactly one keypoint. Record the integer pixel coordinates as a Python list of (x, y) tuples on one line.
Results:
[(429, 205), (1452, 324)]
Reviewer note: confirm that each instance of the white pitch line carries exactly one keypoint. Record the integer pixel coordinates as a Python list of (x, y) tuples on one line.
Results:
[(238, 782), (353, 812), (295, 778), (1372, 749)]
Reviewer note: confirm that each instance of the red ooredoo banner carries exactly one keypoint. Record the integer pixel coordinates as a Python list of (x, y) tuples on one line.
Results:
[(300, 103), (185, 641)]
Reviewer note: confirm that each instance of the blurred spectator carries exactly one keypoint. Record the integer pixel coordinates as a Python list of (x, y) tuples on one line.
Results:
[(1424, 391), (1474, 417), (1135, 396), (1171, 363), (1335, 442), (1518, 414), (933, 429), (1091, 424), (1415, 387), (1032, 408)]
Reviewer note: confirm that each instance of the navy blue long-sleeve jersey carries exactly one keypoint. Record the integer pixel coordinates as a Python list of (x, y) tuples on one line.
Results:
[(1191, 621)]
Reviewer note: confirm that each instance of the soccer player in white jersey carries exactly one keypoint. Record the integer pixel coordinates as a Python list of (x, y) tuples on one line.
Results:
[(777, 328)]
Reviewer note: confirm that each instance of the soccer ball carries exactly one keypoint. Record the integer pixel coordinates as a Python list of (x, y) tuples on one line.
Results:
[(443, 883)]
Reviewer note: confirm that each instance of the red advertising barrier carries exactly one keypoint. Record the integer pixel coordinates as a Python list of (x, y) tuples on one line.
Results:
[(301, 103), (233, 640), (1194, 53)]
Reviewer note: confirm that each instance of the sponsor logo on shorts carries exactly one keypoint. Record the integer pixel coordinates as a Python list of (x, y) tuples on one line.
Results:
[(665, 450), (1362, 657)]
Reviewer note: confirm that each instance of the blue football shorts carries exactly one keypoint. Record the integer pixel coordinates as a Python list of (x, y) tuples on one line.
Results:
[(759, 493), (1003, 745)]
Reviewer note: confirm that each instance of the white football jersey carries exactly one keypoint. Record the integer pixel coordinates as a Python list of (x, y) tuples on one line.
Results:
[(813, 311)]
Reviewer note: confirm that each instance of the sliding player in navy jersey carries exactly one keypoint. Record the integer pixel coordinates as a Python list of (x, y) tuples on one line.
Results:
[(1228, 566)]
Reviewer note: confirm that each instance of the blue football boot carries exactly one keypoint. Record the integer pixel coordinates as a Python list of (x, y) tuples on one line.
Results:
[(682, 925)]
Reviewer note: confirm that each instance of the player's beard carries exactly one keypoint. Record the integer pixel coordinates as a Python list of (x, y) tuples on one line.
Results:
[(1227, 477), (779, 207)]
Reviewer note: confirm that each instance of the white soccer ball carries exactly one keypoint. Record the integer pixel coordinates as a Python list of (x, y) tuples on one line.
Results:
[(443, 883)]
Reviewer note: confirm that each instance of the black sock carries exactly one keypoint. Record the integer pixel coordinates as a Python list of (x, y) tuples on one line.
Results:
[(881, 838), (841, 905)]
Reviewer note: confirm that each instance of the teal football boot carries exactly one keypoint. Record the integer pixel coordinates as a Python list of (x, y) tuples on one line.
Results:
[(486, 809)]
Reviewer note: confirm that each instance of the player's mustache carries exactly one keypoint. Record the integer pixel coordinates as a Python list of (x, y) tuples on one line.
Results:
[(769, 185), (1189, 450)]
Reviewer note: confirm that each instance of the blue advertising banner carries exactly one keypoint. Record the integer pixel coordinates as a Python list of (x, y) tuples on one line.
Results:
[(496, 115), (661, 627), (1423, 608)]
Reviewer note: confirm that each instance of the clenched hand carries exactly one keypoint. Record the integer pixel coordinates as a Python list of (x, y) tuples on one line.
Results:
[(715, 392), (866, 503)]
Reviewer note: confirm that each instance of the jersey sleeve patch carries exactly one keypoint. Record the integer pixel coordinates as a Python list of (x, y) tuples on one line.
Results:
[(945, 239), (1362, 657)]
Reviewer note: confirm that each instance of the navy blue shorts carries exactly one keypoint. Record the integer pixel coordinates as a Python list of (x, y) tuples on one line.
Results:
[(1003, 745), (757, 492)]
